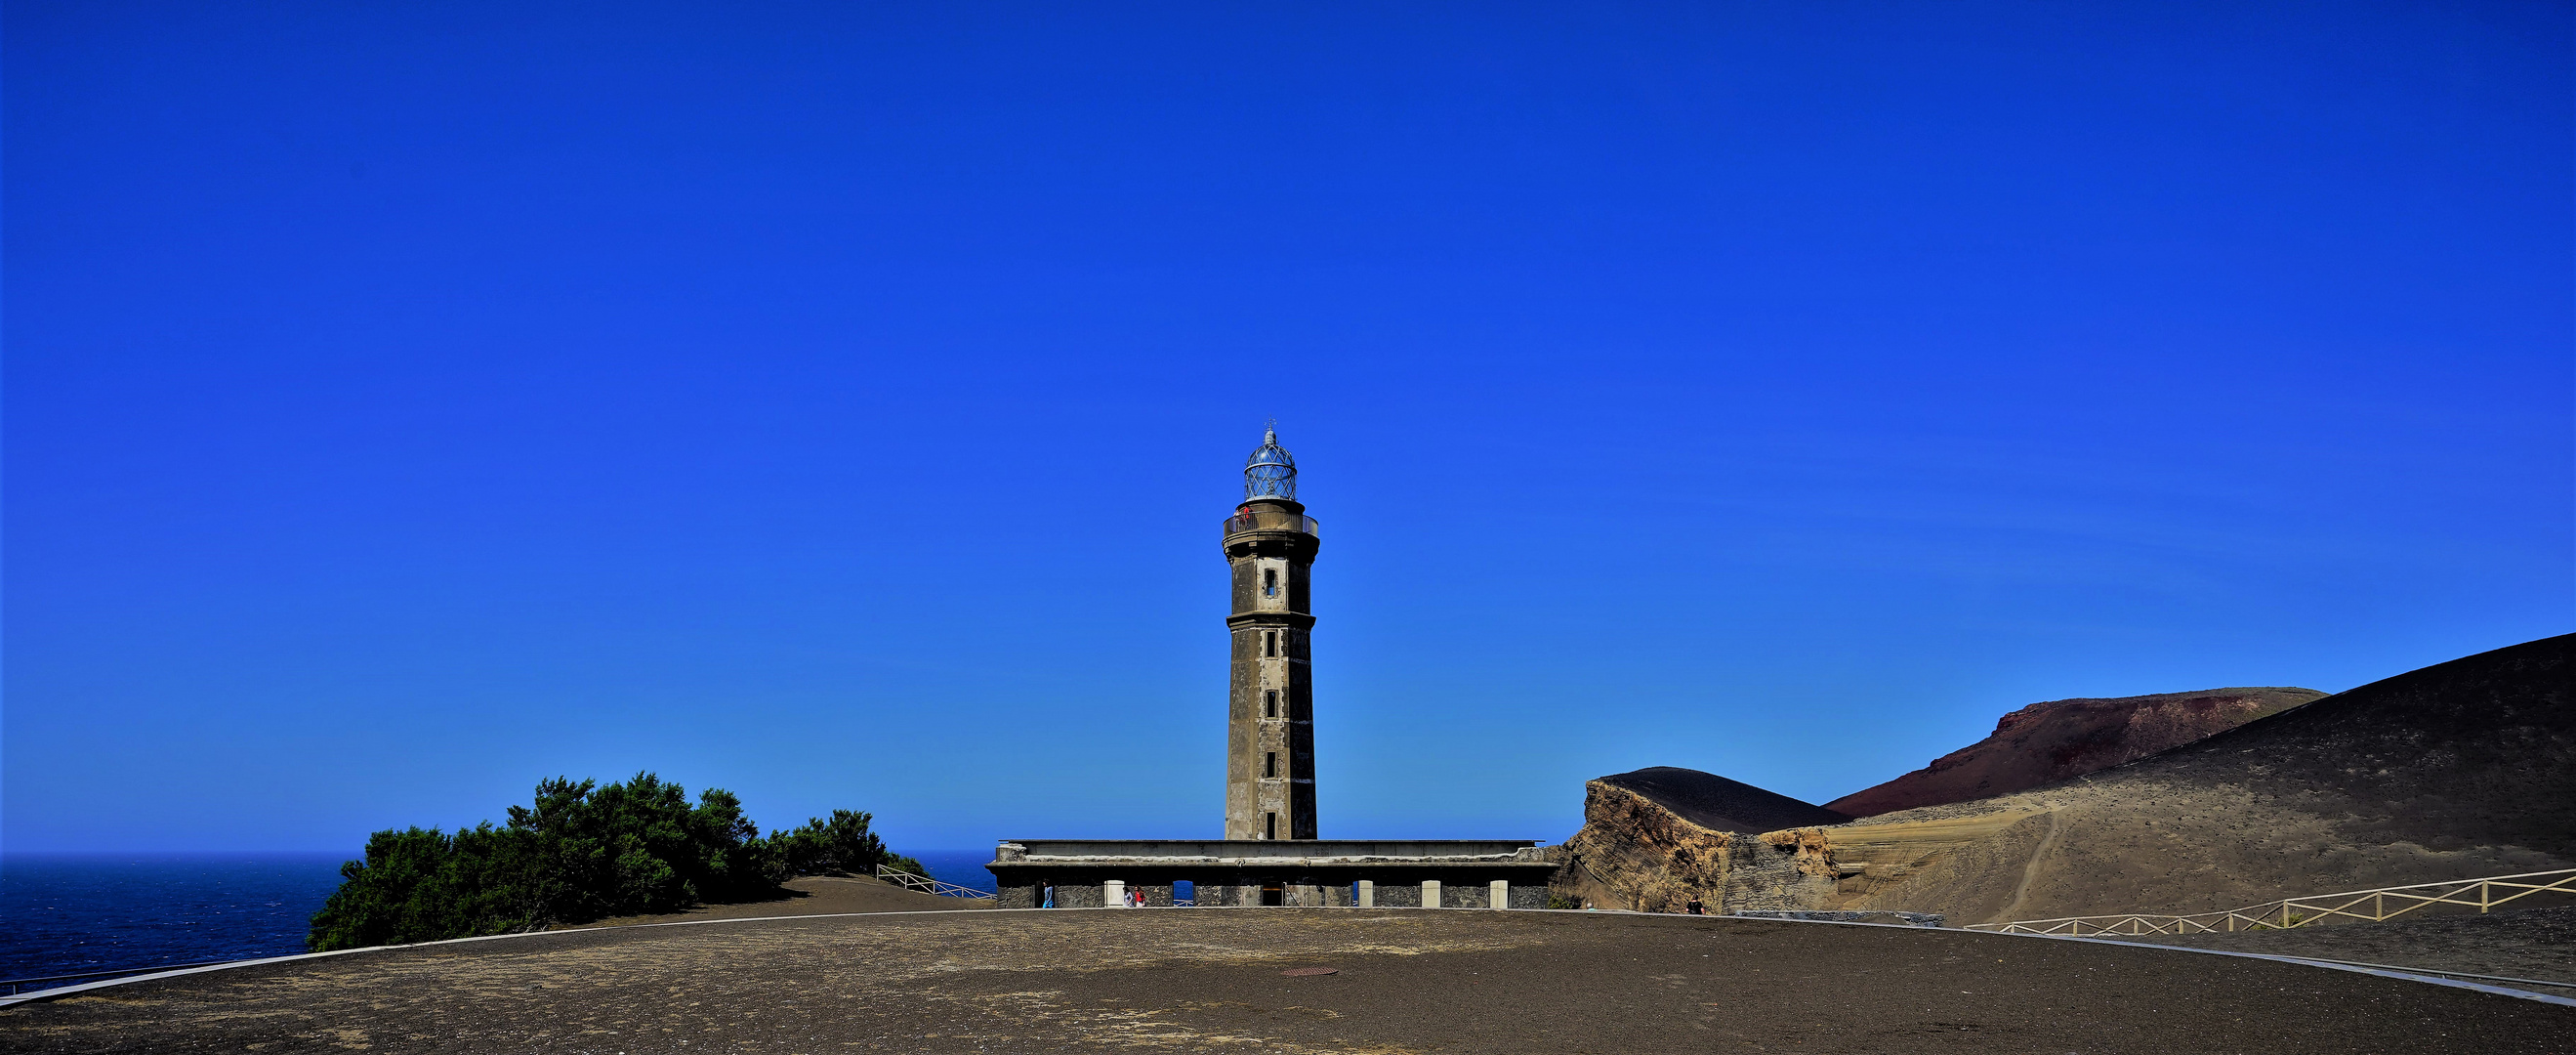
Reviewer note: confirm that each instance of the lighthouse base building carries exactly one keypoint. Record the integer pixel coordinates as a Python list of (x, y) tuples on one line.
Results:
[(1271, 853), (1365, 873)]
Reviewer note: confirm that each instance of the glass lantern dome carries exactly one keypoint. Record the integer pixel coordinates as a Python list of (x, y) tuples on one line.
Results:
[(1270, 472)]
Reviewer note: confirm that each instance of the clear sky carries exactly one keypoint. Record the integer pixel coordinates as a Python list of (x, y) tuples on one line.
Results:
[(837, 402)]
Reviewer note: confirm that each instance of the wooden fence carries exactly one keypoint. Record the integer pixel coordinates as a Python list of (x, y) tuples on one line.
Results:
[(2369, 905), (927, 885)]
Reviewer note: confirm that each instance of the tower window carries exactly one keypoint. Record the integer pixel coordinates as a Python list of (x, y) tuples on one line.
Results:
[(1270, 643), (1270, 703), (1270, 763), (1269, 582), (1269, 825)]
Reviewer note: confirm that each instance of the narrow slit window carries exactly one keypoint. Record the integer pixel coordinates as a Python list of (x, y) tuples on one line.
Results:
[(1270, 703), (1269, 825), (1270, 643), (1269, 582), (1270, 763)]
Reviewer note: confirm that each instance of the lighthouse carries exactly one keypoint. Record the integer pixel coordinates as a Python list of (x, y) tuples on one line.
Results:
[(1270, 545)]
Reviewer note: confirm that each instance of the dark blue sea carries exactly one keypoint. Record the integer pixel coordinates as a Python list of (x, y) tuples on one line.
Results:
[(962, 867), (70, 913)]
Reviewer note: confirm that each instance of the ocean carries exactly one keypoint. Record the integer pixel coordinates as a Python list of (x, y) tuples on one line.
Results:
[(70, 913), (962, 867)]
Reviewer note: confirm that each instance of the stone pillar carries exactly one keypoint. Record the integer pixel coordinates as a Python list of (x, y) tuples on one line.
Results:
[(1499, 895), (1368, 894), (1431, 893)]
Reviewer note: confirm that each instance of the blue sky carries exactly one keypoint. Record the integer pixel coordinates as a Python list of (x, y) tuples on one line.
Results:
[(836, 403)]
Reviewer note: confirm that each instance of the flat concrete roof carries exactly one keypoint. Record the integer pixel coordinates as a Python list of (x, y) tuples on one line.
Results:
[(1224, 852)]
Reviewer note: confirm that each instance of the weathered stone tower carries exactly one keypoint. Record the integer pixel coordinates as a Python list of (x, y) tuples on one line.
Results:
[(1270, 734)]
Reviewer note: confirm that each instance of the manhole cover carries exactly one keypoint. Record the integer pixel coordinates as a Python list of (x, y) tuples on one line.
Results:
[(1304, 971)]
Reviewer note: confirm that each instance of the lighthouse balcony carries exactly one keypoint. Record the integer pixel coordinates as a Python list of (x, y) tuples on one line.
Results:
[(1252, 520)]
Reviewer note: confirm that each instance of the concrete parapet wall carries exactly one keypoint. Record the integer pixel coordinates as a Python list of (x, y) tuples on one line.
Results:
[(1905, 919)]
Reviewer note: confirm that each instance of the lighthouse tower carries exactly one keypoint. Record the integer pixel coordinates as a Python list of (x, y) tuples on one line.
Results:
[(1270, 543)]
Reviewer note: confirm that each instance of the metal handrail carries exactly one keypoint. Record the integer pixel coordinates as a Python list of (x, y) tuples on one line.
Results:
[(15, 983), (2286, 913), (927, 885)]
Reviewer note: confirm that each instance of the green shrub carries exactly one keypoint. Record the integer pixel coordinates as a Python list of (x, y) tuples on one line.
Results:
[(578, 853), (842, 845)]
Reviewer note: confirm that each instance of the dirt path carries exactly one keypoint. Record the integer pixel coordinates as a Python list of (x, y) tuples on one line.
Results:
[(2030, 869)]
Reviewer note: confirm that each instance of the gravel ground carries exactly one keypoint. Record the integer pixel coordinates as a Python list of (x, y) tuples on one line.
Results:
[(2534, 943), (1214, 980)]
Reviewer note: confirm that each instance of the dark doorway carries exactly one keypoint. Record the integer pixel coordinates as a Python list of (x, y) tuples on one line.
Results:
[(1271, 896)]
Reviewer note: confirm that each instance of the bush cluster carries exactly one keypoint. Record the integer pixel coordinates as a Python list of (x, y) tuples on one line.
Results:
[(581, 852), (842, 844)]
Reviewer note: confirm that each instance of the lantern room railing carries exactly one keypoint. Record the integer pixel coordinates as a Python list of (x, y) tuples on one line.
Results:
[(1270, 520)]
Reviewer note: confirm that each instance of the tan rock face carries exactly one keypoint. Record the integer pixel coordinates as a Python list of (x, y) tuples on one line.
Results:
[(1634, 853), (2063, 739)]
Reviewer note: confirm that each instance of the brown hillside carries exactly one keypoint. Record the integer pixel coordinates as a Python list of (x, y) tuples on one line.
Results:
[(2463, 769), (2062, 739)]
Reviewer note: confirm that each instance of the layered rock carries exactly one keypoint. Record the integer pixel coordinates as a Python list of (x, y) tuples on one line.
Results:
[(1656, 838)]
